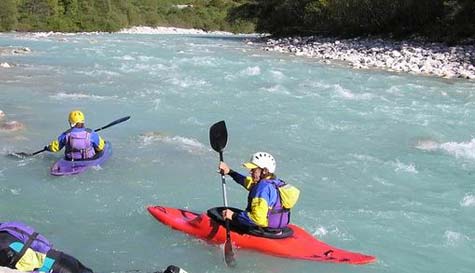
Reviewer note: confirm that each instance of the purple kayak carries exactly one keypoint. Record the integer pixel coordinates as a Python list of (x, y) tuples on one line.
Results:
[(68, 167)]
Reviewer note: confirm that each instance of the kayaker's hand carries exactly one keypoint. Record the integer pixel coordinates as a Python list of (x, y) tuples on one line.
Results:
[(223, 167), (228, 214)]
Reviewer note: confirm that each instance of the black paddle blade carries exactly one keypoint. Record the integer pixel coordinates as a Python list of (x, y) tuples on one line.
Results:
[(218, 136), (19, 155), (24, 155), (229, 254)]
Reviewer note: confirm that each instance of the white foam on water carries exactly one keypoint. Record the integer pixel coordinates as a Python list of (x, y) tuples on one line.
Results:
[(427, 145), (125, 58), (146, 58), (460, 150), (79, 96), (365, 158), (15, 191), (251, 71), (402, 167), (194, 121), (347, 94), (453, 238), (320, 231), (382, 181), (468, 201), (97, 168), (395, 90), (277, 75), (99, 72), (325, 125), (156, 104), (199, 61), (190, 145), (276, 89), (187, 82), (147, 68), (457, 149)]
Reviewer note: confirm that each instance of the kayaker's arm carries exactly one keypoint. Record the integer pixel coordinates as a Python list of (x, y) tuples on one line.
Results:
[(245, 181), (97, 141), (57, 144)]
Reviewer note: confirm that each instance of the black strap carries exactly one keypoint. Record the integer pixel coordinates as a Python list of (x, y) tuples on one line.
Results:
[(20, 254), (22, 232)]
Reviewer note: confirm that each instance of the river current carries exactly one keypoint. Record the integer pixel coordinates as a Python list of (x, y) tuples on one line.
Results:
[(385, 162)]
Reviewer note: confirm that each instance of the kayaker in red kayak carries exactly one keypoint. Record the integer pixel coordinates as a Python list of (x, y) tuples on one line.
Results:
[(264, 203), (81, 143)]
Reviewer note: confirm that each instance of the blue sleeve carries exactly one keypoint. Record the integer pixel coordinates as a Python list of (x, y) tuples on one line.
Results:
[(95, 139), (243, 219), (239, 178), (62, 140)]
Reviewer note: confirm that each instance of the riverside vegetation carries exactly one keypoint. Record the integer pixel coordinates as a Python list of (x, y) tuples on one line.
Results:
[(437, 20)]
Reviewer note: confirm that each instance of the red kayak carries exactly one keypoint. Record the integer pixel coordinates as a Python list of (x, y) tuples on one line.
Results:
[(300, 245)]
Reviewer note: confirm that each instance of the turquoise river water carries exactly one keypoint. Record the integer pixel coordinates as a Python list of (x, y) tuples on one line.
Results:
[(385, 162)]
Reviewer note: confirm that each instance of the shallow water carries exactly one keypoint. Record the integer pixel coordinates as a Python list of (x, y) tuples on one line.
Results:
[(385, 161)]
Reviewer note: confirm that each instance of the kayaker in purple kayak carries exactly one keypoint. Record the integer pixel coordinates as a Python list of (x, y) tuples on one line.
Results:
[(265, 207), (81, 143), (22, 248)]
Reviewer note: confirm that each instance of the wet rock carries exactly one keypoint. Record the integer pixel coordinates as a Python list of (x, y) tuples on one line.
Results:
[(11, 126)]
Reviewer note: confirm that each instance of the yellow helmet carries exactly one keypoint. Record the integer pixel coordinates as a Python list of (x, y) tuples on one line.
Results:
[(76, 116)]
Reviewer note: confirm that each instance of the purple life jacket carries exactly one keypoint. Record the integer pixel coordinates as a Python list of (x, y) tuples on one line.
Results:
[(79, 145), (25, 234), (278, 217)]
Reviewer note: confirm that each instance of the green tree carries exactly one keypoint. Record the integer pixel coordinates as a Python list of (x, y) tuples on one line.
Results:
[(8, 15)]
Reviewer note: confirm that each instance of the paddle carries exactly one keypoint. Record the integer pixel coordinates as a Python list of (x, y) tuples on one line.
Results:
[(23, 154), (218, 137)]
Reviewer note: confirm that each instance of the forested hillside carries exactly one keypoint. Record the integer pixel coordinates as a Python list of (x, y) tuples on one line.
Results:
[(112, 15), (436, 19)]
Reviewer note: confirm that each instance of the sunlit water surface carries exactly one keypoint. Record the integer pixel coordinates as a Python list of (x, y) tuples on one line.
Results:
[(385, 162)]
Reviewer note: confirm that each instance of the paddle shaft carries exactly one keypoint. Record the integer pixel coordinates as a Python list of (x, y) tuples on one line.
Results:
[(218, 136), (113, 123), (228, 246), (223, 182)]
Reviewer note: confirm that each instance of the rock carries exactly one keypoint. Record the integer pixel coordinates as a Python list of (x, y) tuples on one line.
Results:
[(413, 56), (11, 126)]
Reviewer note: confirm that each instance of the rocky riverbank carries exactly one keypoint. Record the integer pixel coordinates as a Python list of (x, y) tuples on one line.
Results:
[(416, 57)]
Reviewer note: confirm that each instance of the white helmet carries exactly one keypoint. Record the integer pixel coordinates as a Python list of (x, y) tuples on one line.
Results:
[(261, 160)]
